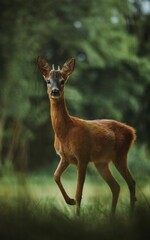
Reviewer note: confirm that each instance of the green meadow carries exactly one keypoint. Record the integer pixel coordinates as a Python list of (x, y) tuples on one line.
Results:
[(32, 207)]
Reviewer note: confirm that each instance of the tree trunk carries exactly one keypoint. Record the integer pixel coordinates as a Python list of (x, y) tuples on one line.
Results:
[(2, 124), (14, 140)]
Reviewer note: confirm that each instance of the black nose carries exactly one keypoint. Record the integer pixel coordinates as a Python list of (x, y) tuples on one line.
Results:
[(55, 92)]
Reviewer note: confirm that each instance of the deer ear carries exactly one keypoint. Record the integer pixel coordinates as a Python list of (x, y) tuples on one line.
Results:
[(43, 66), (68, 67)]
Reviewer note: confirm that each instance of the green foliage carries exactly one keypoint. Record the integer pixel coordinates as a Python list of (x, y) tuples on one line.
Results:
[(109, 39)]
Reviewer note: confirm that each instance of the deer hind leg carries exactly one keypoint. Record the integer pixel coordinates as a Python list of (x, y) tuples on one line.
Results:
[(121, 165), (105, 172), (60, 169), (81, 168)]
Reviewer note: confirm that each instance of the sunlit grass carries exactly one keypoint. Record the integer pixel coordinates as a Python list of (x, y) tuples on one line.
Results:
[(41, 188), (32, 207)]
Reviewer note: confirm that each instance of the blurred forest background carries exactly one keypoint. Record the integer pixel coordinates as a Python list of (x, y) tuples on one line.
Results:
[(111, 43), (110, 40)]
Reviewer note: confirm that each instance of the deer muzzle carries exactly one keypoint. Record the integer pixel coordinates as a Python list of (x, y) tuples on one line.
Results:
[(55, 92)]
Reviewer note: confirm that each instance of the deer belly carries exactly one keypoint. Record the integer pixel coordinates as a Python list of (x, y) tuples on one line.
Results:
[(102, 154)]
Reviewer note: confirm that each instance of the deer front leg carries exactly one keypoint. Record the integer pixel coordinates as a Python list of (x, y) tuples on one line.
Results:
[(60, 169), (80, 182)]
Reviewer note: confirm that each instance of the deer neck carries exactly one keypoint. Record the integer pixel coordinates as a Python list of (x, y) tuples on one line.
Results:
[(60, 118)]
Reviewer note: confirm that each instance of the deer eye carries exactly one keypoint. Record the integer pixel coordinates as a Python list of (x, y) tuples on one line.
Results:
[(48, 82), (62, 82)]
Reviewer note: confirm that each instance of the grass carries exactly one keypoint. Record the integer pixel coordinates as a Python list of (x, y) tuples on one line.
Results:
[(31, 207)]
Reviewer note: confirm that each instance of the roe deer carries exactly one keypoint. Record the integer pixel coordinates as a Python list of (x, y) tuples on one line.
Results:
[(79, 142)]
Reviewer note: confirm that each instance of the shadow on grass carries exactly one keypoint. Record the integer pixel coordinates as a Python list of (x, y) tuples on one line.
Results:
[(27, 219)]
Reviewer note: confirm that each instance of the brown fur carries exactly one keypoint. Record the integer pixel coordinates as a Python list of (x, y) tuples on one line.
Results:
[(79, 142)]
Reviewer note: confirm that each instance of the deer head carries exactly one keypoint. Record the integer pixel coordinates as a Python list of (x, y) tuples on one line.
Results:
[(55, 79)]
